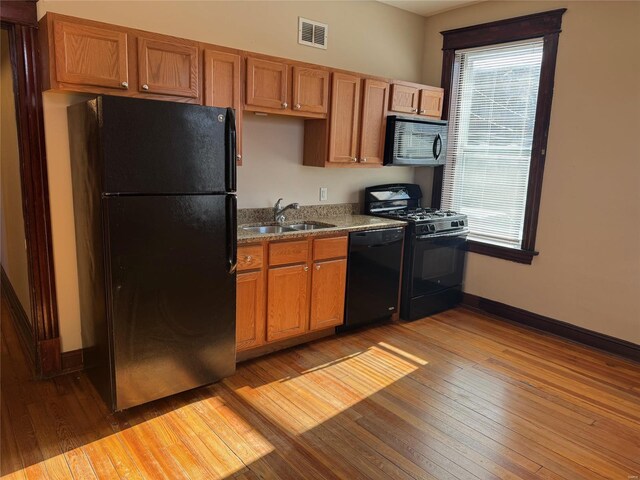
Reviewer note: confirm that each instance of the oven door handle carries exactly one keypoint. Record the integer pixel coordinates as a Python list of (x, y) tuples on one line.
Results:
[(457, 233)]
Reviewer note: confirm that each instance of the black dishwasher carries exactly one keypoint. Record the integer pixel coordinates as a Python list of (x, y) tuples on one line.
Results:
[(373, 276)]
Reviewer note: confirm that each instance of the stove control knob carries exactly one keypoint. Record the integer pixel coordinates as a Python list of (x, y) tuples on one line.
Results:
[(432, 227), (461, 223)]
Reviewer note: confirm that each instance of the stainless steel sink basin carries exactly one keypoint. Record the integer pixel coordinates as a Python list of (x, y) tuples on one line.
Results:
[(268, 229), (296, 227), (309, 226)]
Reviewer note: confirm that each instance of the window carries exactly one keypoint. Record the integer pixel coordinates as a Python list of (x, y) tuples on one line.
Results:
[(491, 119), (498, 82)]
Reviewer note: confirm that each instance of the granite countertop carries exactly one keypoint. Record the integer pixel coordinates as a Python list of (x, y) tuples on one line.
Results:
[(343, 224)]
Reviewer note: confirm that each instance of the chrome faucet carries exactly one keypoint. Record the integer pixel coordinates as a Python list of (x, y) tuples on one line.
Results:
[(278, 210)]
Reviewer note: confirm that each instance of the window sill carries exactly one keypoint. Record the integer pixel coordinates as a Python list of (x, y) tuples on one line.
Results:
[(505, 253)]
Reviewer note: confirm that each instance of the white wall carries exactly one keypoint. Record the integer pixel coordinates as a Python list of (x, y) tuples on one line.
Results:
[(272, 168), (588, 270), (364, 36)]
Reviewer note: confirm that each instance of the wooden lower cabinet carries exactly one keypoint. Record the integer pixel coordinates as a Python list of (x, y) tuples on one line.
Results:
[(289, 289), (327, 294), (287, 301), (250, 319)]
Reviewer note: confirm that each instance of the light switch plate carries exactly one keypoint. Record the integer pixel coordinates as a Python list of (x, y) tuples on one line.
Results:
[(323, 194)]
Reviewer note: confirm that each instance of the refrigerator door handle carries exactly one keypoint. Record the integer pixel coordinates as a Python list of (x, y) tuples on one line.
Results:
[(230, 150), (232, 232)]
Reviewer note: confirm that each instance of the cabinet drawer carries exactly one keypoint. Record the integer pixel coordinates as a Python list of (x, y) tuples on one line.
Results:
[(324, 248), (250, 257), (288, 252)]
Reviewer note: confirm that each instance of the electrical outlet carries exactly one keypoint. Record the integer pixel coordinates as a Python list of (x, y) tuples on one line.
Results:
[(323, 194)]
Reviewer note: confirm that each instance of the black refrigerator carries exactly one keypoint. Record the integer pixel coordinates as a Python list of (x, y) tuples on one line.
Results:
[(155, 217)]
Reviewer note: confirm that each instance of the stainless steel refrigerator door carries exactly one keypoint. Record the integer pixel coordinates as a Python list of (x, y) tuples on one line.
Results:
[(171, 293)]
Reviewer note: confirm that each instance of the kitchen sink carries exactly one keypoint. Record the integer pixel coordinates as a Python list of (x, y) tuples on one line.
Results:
[(296, 227), (309, 226), (269, 229)]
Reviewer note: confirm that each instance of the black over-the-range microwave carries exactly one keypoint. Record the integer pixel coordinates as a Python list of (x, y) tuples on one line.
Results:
[(415, 142)]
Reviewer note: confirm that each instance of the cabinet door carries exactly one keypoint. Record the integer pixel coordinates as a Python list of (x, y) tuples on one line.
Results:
[(345, 108), (250, 300), (431, 102), (310, 90), (328, 285), (287, 302), (222, 87), (168, 68), (404, 98), (87, 55), (267, 84), (374, 114)]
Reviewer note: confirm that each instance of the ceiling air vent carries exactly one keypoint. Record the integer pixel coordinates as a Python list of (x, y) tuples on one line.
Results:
[(313, 34)]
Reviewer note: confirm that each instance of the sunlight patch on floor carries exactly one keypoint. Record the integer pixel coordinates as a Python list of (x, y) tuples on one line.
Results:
[(299, 403)]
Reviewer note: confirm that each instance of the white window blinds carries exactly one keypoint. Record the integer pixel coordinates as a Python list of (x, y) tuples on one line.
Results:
[(491, 118)]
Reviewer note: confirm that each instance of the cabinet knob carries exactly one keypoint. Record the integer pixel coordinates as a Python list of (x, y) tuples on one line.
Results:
[(414, 110), (354, 159), (364, 160), (239, 157), (145, 87), (317, 267), (423, 111), (297, 106), (124, 84), (285, 104), (248, 258), (306, 268)]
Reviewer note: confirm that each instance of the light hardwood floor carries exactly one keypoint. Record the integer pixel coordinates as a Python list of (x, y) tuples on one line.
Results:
[(455, 396)]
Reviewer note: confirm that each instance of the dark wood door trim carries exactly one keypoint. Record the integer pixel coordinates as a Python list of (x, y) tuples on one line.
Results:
[(19, 13), (19, 18)]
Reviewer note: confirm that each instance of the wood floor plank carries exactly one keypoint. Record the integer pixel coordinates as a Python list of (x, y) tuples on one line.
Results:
[(457, 396)]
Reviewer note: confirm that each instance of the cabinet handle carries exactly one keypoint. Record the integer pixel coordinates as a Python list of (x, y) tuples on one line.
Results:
[(296, 106), (317, 267), (145, 87), (285, 105), (306, 269), (248, 258), (364, 160), (239, 157), (414, 110), (124, 84), (354, 159)]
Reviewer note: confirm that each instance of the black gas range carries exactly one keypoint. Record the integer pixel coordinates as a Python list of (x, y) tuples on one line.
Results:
[(435, 248)]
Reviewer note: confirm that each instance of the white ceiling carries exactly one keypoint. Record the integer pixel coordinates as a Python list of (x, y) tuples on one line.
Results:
[(427, 7)]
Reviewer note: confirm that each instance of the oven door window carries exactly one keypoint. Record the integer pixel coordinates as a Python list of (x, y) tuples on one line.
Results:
[(438, 264)]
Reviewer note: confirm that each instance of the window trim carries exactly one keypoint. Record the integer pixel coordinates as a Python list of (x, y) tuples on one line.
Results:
[(546, 25)]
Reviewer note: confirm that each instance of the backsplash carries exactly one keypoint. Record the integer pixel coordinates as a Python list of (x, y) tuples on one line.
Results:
[(265, 215)]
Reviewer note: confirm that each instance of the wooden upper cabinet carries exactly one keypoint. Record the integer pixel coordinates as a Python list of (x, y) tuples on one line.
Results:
[(222, 84), (310, 90), (345, 113), (267, 84), (287, 301), (250, 309), (431, 100), (222, 79), (374, 113), (404, 98), (327, 294), (168, 67), (88, 55)]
